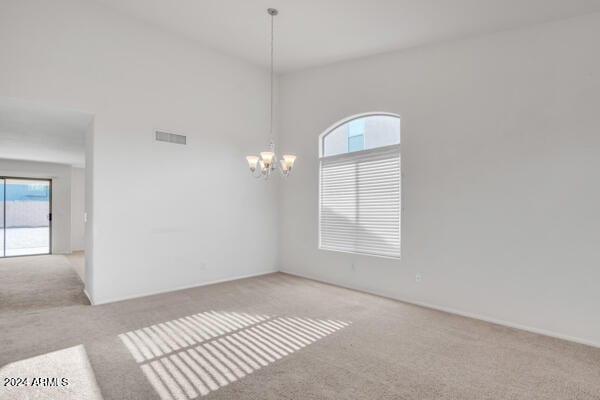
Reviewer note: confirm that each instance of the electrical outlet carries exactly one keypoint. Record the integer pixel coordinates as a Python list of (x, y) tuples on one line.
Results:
[(353, 267), (418, 278), (203, 266)]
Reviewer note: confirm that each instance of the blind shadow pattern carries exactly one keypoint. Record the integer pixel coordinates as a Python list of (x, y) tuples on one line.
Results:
[(194, 355)]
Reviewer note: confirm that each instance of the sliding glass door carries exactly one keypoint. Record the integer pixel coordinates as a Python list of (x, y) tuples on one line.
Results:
[(25, 216), (2, 187)]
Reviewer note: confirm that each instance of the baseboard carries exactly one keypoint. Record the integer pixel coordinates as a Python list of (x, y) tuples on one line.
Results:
[(136, 296), (449, 310), (88, 296)]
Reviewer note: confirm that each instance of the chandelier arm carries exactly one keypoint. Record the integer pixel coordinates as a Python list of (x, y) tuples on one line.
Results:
[(260, 174), (283, 172)]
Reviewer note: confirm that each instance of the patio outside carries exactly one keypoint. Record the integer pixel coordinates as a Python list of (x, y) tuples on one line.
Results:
[(27, 240), (24, 217)]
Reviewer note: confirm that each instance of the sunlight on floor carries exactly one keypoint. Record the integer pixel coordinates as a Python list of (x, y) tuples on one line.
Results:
[(194, 355), (63, 374)]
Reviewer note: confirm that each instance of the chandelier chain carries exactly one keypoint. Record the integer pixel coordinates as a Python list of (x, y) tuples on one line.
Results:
[(271, 77)]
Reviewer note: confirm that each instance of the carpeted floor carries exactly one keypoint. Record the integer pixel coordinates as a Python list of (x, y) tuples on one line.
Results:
[(77, 260), (38, 282), (283, 337)]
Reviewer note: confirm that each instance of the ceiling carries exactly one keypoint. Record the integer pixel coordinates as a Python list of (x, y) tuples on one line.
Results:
[(38, 133), (315, 32)]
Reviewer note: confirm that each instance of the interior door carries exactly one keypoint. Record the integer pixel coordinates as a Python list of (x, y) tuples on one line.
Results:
[(27, 216)]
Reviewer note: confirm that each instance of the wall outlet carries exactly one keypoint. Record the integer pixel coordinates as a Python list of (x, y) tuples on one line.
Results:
[(353, 267), (202, 266), (418, 278)]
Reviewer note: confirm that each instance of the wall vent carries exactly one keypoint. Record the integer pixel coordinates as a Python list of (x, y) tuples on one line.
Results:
[(168, 137)]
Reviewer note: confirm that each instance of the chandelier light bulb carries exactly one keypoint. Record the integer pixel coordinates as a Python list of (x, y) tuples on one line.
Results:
[(289, 160), (267, 157), (252, 161)]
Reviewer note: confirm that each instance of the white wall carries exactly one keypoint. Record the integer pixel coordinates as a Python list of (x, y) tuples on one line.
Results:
[(77, 209), (89, 211), (149, 233), (61, 195), (501, 164)]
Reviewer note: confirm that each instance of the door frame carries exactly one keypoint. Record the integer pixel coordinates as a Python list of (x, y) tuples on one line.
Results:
[(49, 180)]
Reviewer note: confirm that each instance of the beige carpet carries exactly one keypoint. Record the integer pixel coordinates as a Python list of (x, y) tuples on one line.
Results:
[(58, 375), (38, 282), (282, 337), (77, 260)]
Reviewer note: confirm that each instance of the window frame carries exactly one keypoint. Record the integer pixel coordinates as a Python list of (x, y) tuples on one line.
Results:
[(357, 155)]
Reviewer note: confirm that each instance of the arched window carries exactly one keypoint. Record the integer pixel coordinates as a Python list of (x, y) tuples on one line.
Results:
[(359, 186)]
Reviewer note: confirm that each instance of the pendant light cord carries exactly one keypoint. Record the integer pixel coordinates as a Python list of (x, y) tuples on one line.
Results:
[(271, 79)]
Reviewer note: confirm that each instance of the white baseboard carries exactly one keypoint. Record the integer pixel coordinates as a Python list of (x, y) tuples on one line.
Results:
[(455, 311), (135, 296), (88, 296)]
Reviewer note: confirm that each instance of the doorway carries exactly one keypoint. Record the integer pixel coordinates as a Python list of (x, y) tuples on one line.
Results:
[(25, 216)]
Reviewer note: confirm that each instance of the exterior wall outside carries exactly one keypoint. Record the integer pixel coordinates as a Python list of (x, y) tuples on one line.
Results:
[(26, 214)]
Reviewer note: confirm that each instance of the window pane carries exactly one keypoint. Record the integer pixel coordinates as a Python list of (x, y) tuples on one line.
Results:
[(381, 130), (356, 127), (336, 142), (356, 143), (27, 217), (361, 134)]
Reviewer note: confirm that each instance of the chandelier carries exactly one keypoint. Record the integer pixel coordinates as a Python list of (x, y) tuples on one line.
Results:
[(263, 165)]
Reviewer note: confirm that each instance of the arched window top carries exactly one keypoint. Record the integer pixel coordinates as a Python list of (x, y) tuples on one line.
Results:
[(361, 132)]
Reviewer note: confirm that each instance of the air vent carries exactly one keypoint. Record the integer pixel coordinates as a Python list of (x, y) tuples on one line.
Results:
[(168, 137)]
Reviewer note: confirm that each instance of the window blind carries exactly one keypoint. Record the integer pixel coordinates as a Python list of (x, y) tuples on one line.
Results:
[(359, 196)]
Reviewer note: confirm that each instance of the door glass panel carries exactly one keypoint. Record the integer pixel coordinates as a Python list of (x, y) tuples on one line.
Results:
[(1, 217), (27, 217)]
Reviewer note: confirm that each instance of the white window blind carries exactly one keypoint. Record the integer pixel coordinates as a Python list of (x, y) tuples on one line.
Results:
[(359, 210)]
